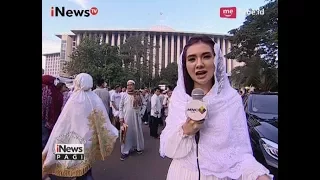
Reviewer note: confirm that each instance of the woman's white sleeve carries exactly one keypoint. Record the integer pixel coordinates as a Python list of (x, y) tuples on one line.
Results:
[(252, 169), (176, 145)]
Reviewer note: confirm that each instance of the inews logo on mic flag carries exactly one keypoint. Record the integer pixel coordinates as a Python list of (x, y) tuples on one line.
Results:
[(228, 12)]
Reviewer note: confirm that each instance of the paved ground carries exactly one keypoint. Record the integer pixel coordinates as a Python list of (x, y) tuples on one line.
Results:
[(147, 166)]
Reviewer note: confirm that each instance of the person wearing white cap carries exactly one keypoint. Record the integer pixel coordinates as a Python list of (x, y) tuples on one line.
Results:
[(129, 113)]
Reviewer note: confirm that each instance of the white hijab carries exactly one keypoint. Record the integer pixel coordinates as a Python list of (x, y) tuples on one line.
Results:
[(83, 120), (224, 144)]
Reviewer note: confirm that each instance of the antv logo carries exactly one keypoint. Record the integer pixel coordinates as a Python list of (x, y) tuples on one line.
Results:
[(56, 11)]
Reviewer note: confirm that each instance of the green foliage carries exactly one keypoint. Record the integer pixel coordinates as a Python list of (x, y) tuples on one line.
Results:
[(114, 65), (169, 75), (256, 44), (98, 60), (256, 73), (135, 52)]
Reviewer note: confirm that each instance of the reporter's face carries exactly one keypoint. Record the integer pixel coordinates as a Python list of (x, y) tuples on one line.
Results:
[(200, 63)]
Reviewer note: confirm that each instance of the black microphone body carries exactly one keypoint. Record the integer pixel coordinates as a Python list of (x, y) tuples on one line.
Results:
[(197, 137)]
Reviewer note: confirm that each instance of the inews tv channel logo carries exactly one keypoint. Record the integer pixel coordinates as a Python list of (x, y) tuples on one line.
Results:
[(56, 11), (69, 152)]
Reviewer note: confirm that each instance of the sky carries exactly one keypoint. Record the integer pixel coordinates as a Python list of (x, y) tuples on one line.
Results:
[(181, 15)]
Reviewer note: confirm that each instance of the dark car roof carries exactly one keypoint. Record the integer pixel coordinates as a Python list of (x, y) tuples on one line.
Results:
[(256, 97)]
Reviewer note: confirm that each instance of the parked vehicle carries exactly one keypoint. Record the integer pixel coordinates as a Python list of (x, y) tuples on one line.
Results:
[(262, 118)]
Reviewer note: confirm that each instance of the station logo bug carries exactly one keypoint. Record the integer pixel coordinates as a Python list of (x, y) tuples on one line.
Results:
[(63, 12)]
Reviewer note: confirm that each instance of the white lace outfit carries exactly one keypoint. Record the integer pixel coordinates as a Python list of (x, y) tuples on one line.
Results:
[(224, 147)]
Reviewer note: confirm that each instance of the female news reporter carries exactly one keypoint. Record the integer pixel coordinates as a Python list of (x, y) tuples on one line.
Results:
[(224, 150)]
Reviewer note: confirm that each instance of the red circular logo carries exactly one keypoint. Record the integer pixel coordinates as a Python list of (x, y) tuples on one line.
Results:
[(94, 11)]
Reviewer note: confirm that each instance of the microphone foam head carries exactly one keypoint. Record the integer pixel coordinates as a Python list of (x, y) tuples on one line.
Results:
[(197, 93)]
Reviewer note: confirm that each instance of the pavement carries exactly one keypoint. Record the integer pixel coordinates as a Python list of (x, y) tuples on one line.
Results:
[(147, 166)]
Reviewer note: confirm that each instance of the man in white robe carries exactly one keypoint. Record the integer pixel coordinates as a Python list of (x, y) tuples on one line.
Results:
[(115, 102), (144, 112), (161, 98), (123, 90), (156, 107), (111, 92), (129, 113)]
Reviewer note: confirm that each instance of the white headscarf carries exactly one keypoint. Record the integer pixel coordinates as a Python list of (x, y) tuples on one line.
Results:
[(131, 82), (224, 145), (83, 120)]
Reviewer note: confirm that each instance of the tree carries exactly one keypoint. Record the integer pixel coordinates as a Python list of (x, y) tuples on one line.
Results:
[(98, 60), (132, 51), (257, 36), (135, 52), (155, 81), (256, 44), (170, 74), (256, 73)]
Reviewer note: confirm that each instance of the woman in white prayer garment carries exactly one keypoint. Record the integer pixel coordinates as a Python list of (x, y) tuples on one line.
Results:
[(83, 121), (224, 151)]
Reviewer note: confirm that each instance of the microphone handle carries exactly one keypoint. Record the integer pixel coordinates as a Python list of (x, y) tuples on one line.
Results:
[(197, 136)]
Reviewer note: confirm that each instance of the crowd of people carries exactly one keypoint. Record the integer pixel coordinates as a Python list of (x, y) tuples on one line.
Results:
[(97, 117)]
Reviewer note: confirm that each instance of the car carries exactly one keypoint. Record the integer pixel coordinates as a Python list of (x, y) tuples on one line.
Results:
[(262, 118)]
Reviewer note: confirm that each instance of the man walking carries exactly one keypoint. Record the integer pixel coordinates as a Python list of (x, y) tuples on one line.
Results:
[(156, 107), (129, 113)]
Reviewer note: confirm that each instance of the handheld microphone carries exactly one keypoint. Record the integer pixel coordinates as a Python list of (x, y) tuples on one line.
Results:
[(197, 111), (196, 108)]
